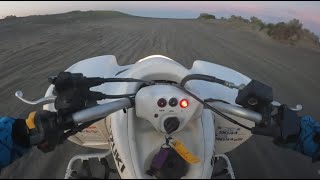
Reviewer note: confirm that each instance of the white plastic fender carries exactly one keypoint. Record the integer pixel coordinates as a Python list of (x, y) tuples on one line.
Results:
[(228, 135)]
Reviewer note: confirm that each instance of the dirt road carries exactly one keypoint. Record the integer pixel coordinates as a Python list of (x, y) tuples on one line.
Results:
[(29, 53)]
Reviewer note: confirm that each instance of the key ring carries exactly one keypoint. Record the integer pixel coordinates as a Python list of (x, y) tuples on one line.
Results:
[(167, 139)]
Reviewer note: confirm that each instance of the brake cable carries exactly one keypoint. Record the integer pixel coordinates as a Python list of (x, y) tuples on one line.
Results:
[(214, 109), (214, 80)]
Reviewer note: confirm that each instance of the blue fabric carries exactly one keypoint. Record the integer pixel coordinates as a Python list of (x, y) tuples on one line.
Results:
[(9, 151), (306, 144)]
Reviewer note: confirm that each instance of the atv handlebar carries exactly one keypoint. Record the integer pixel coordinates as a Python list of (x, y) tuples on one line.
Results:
[(49, 121), (71, 103), (101, 111), (237, 111)]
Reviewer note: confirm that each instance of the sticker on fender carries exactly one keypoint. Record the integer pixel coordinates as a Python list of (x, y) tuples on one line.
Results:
[(229, 134), (184, 152)]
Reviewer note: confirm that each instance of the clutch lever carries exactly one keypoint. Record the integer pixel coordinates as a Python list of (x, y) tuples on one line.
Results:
[(44, 100)]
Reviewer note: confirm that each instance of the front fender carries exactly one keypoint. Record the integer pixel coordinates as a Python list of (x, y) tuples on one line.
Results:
[(228, 135)]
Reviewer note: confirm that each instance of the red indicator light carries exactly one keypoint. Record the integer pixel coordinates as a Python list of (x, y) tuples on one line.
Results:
[(184, 103)]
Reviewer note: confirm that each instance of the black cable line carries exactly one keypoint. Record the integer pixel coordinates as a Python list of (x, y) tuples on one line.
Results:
[(215, 100), (98, 81), (213, 109), (201, 77)]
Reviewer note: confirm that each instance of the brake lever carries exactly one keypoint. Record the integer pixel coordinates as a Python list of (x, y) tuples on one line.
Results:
[(44, 100)]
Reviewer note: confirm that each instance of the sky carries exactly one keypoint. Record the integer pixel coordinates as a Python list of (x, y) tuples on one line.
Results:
[(308, 12)]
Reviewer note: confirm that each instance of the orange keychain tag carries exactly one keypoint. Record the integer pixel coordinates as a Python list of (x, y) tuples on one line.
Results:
[(184, 152), (30, 121)]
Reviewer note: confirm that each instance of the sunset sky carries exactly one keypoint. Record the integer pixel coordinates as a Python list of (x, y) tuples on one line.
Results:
[(306, 11)]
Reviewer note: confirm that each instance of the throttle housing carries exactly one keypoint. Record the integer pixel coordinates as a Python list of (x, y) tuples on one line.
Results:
[(257, 97)]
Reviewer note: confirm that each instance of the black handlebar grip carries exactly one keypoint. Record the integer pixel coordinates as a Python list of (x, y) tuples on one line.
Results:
[(47, 132)]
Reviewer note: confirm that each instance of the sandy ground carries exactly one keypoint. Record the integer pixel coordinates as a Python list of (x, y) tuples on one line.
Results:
[(29, 53)]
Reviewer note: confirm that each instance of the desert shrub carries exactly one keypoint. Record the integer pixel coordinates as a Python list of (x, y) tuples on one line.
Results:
[(206, 16), (246, 20), (257, 21), (10, 17), (291, 31), (285, 31), (295, 23), (233, 17), (239, 19), (306, 31), (76, 11)]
